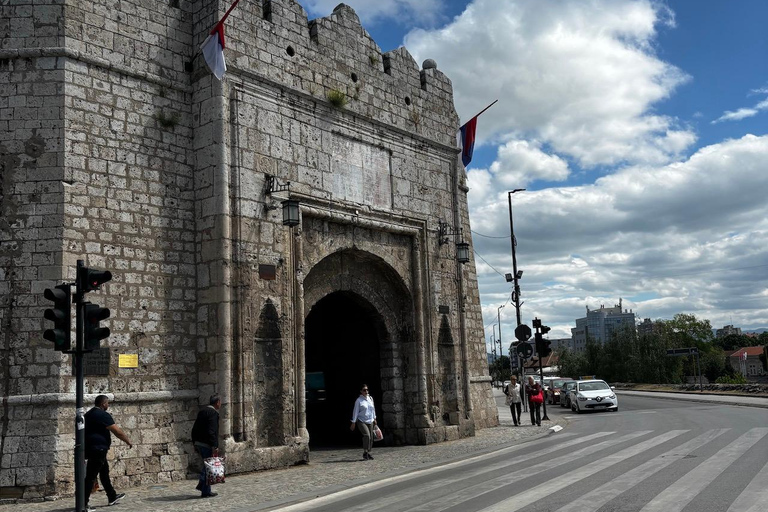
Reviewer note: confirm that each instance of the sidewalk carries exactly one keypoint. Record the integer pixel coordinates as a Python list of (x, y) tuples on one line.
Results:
[(711, 398), (328, 471)]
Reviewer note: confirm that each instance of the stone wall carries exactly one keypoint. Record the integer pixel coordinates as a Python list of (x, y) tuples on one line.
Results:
[(118, 147)]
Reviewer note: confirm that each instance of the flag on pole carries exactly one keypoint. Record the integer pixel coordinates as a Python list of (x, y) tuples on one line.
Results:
[(468, 140), (213, 46), (467, 136)]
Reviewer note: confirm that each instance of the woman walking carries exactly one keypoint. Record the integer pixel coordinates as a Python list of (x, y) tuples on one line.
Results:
[(514, 401), (535, 398), (364, 418)]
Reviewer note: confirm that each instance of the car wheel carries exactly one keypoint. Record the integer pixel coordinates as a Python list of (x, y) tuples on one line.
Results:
[(578, 409), (573, 409)]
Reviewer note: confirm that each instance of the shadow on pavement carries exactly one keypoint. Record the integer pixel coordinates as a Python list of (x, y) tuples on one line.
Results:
[(178, 497)]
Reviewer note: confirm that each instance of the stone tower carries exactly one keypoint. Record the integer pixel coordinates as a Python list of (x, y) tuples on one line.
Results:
[(118, 147)]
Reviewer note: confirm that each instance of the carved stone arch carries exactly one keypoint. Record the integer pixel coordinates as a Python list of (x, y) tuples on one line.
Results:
[(369, 288), (268, 376)]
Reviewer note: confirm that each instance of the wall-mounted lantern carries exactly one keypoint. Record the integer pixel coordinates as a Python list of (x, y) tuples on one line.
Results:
[(444, 232), (290, 206), (462, 252), (291, 212)]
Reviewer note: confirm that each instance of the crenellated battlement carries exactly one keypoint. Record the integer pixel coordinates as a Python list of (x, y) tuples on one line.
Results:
[(335, 53)]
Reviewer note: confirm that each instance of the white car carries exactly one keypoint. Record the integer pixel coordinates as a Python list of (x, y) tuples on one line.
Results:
[(593, 394)]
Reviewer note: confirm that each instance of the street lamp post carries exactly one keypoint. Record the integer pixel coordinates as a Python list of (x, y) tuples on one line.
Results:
[(516, 277), (515, 274), (498, 314)]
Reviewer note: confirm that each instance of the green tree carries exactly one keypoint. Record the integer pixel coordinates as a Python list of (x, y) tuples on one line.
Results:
[(735, 341), (499, 369)]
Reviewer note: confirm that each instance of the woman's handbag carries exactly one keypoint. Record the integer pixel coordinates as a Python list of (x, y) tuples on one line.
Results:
[(537, 399), (214, 470), (377, 434)]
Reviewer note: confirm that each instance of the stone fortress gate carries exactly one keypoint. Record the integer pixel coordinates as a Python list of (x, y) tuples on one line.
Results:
[(119, 147)]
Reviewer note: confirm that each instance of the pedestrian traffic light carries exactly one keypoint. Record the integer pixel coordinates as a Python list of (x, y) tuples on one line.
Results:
[(89, 279), (93, 331), (60, 315)]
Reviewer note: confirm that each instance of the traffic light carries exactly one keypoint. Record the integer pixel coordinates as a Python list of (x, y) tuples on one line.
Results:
[(89, 279), (545, 348), (60, 315), (93, 332), (542, 346)]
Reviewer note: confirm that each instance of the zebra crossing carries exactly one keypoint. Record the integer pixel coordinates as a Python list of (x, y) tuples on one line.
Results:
[(644, 470)]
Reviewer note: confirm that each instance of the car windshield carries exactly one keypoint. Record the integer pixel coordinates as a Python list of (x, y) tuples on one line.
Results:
[(593, 386), (558, 383)]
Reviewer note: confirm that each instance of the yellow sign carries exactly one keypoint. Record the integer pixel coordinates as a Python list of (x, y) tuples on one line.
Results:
[(128, 361)]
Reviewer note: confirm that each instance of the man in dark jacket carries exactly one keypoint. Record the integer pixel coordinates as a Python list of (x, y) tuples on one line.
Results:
[(98, 426), (205, 435)]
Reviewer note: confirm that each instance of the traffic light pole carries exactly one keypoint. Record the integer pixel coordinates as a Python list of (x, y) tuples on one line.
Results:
[(79, 409), (516, 291), (544, 404)]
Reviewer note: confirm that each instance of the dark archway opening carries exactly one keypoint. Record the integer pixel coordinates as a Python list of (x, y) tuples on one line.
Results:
[(342, 334)]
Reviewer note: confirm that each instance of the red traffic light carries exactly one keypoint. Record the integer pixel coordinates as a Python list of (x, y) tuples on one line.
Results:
[(89, 279)]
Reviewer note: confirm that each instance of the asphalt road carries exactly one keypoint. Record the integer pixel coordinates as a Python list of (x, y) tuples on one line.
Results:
[(653, 455)]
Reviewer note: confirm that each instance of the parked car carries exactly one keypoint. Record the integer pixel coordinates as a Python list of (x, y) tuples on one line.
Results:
[(565, 393), (552, 389), (593, 394)]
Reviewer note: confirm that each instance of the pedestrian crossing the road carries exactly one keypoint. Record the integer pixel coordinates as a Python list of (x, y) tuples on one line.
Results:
[(644, 470)]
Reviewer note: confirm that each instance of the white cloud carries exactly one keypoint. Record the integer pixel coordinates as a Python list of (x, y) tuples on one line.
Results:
[(737, 115), (519, 162), (368, 12), (690, 236), (580, 77), (743, 113)]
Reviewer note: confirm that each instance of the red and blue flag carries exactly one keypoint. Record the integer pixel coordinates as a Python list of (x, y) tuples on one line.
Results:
[(467, 134)]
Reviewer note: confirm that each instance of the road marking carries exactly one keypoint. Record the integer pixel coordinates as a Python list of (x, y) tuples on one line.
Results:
[(752, 499), (675, 497), (405, 497), (362, 489), (534, 494), (449, 499), (606, 492)]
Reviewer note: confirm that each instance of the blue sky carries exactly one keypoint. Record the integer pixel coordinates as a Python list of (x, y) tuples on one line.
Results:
[(638, 128)]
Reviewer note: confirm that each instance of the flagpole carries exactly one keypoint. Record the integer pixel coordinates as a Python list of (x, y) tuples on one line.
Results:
[(229, 11), (478, 114)]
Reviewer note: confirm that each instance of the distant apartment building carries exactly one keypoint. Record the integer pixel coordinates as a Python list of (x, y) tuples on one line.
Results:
[(728, 329), (600, 324), (647, 326), (557, 343)]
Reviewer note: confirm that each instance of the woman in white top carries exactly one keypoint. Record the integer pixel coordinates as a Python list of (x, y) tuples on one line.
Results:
[(514, 401), (364, 417)]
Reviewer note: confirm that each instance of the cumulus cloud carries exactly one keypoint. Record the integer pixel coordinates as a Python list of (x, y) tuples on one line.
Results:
[(410, 10), (520, 162), (580, 77), (689, 236)]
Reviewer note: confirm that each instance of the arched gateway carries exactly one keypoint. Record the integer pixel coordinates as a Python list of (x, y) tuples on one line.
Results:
[(359, 328)]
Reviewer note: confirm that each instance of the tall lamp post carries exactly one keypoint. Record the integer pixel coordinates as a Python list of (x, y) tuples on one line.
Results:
[(516, 275), (498, 315)]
